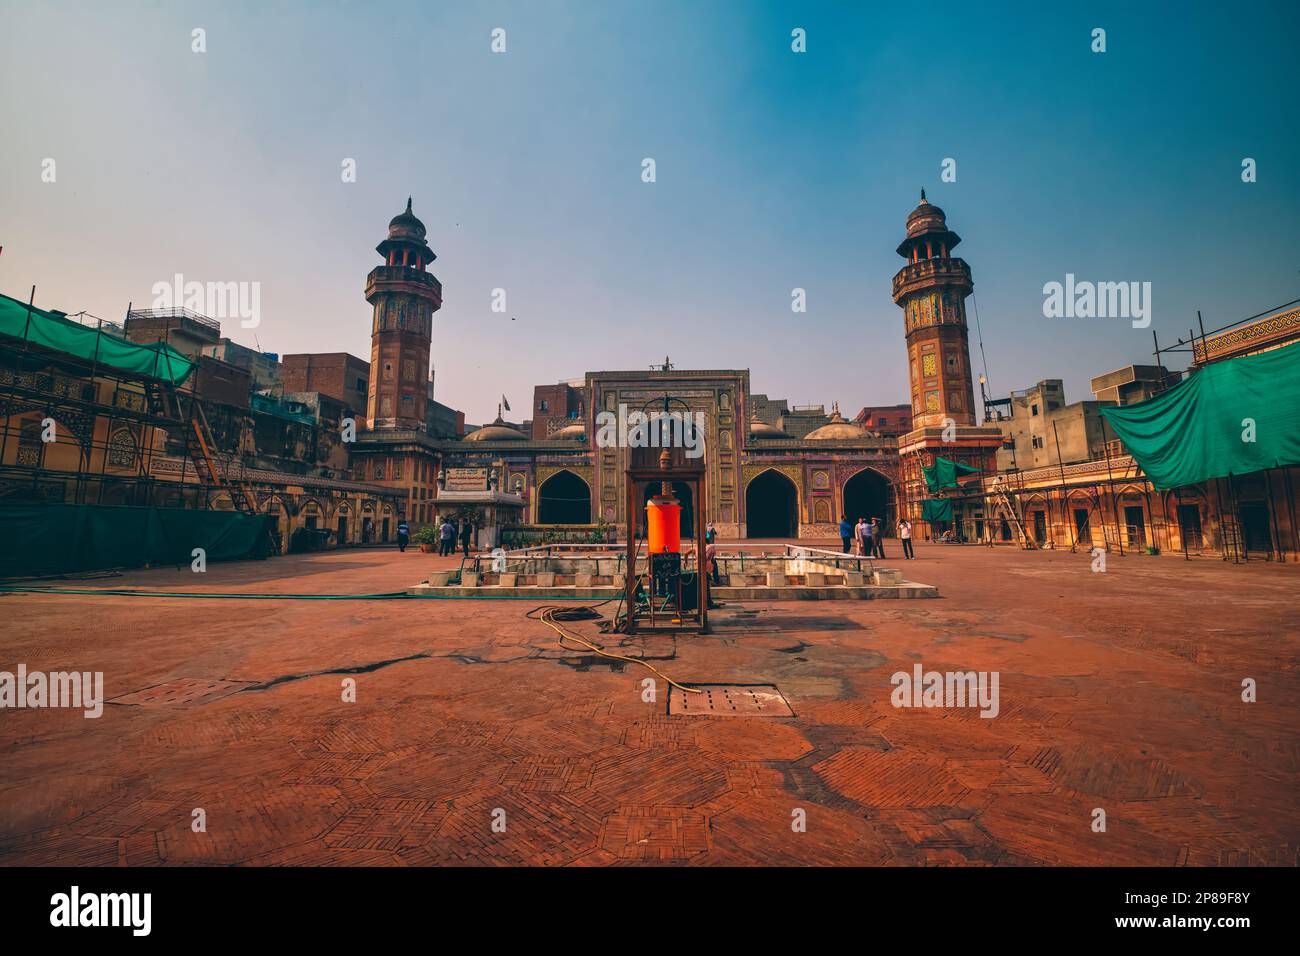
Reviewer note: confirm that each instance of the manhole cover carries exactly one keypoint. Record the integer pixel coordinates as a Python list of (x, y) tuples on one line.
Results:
[(730, 700), (186, 690)]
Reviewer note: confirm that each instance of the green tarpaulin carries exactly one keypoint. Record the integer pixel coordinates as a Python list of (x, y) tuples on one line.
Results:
[(1229, 418), (156, 360), (943, 474), (936, 509), (60, 539)]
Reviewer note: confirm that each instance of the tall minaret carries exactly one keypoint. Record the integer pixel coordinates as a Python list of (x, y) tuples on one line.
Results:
[(932, 290), (404, 297)]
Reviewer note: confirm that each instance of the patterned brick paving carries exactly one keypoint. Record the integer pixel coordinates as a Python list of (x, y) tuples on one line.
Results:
[(478, 741)]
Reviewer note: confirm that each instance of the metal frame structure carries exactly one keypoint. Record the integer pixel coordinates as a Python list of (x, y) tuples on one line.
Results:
[(665, 466), (68, 389)]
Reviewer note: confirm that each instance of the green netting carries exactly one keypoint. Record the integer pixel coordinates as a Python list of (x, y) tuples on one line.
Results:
[(1229, 418), (943, 474), (156, 360), (61, 539), (936, 509)]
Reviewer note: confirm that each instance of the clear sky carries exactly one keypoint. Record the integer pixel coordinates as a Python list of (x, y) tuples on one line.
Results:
[(775, 170)]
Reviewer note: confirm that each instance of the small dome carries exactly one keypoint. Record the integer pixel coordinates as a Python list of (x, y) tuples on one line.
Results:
[(762, 429), (837, 429), (926, 217), (405, 225), (406, 236), (497, 431), (575, 432)]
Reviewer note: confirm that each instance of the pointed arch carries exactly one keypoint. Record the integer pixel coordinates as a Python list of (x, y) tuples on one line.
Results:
[(564, 498), (771, 505)]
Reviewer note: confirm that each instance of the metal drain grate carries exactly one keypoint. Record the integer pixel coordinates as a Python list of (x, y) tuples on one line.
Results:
[(730, 700), (185, 690)]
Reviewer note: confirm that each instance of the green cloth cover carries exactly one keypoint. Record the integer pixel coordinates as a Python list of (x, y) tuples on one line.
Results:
[(944, 473), (62, 538), (936, 509), (155, 360), (1199, 429)]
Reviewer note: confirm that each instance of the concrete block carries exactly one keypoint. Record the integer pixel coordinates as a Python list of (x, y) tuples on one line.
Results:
[(776, 579), (469, 579), (887, 576), (544, 579), (583, 579), (439, 579), (815, 579), (507, 579)]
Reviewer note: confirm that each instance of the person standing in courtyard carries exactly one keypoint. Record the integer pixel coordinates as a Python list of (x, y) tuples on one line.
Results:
[(905, 535), (710, 533), (446, 538), (403, 534), (846, 533), (878, 537), (711, 562), (863, 531), (466, 532)]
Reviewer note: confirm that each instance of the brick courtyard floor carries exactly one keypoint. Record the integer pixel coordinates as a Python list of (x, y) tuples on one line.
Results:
[(1119, 690)]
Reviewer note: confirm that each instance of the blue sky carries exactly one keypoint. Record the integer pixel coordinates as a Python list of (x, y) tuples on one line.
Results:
[(775, 170)]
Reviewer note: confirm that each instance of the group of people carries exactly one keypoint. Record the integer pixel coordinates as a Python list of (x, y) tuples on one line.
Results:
[(870, 537), (447, 535)]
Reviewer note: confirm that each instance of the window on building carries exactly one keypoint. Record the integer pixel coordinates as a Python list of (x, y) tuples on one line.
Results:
[(121, 449), (542, 406), (882, 422), (1036, 442), (29, 444), (1033, 409)]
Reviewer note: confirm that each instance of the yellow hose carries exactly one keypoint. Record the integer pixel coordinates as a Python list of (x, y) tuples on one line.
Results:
[(548, 619)]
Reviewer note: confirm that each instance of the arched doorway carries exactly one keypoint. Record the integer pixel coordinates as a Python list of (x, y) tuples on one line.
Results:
[(564, 498), (682, 492), (869, 495), (771, 506)]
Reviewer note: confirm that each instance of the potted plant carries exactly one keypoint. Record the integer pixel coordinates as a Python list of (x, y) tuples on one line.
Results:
[(426, 538)]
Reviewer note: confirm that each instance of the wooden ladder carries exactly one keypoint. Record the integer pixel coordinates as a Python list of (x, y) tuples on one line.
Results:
[(1003, 499), (199, 444)]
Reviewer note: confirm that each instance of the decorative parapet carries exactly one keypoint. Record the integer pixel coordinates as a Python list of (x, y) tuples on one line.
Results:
[(927, 270), (1270, 332)]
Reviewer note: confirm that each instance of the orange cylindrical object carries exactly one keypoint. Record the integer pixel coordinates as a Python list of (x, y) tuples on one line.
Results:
[(663, 525)]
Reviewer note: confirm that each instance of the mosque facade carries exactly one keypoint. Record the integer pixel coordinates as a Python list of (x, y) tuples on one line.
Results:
[(773, 471)]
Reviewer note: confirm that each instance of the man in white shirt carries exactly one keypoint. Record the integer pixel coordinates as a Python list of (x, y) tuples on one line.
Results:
[(905, 535)]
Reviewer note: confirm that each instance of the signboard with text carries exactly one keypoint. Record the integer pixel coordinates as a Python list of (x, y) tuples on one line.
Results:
[(467, 479)]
